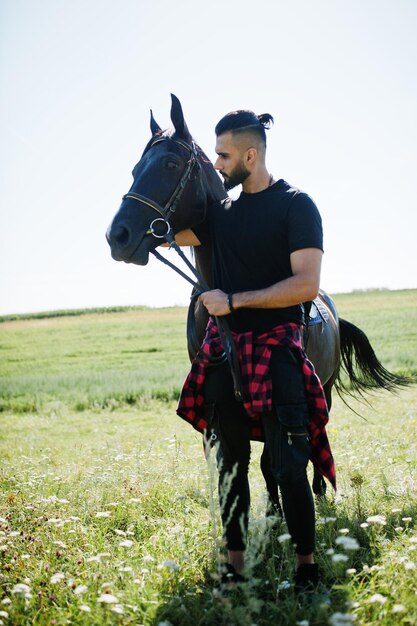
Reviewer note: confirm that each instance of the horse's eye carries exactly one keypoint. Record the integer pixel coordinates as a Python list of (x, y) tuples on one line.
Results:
[(169, 162)]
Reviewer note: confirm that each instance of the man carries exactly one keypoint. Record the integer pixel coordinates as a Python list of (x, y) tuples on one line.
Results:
[(267, 249)]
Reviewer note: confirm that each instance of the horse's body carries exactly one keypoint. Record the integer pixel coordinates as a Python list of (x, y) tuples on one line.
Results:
[(175, 183)]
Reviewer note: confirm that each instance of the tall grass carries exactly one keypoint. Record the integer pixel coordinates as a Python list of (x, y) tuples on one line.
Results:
[(108, 509), (105, 517)]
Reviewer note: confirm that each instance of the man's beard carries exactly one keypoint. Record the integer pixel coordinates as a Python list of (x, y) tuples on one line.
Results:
[(236, 177)]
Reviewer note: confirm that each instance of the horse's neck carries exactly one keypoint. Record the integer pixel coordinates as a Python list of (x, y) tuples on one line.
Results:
[(215, 193), (214, 186)]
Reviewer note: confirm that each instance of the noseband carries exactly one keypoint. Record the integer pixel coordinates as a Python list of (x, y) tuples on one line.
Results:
[(170, 207)]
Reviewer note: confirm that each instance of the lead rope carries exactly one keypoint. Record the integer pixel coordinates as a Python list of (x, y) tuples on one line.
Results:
[(200, 286)]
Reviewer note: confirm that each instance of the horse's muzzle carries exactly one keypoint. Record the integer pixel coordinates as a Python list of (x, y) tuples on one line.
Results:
[(124, 247)]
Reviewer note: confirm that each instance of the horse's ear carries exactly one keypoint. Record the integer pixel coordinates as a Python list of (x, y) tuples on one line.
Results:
[(177, 118), (155, 128)]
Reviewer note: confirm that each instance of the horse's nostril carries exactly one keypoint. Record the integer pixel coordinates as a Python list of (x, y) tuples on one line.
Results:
[(121, 235)]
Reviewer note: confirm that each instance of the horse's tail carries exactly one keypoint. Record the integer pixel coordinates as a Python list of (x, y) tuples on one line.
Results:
[(360, 363)]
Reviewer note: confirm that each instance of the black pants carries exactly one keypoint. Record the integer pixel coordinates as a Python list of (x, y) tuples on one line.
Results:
[(288, 446)]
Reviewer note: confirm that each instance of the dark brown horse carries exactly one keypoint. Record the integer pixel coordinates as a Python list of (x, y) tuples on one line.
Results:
[(174, 186)]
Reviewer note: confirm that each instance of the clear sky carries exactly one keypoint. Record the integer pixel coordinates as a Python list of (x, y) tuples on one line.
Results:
[(77, 80)]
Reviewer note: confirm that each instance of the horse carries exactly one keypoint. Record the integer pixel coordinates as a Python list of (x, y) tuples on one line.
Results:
[(174, 186)]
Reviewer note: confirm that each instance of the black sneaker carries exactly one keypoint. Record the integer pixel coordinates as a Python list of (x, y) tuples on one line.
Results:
[(308, 586), (228, 580), (230, 575)]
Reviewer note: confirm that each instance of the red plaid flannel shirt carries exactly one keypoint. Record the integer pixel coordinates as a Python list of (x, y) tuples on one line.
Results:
[(254, 354)]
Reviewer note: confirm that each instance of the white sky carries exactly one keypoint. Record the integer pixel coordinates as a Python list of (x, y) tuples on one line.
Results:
[(77, 80)]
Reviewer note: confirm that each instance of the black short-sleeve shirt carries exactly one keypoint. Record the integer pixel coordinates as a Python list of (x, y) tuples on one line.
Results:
[(252, 242)]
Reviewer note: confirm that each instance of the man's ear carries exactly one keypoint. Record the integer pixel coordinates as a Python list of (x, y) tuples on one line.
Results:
[(251, 155)]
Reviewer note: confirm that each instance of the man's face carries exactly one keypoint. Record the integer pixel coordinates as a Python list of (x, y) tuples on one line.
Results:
[(230, 161)]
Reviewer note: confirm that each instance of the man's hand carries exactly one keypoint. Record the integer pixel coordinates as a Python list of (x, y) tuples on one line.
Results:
[(215, 302)]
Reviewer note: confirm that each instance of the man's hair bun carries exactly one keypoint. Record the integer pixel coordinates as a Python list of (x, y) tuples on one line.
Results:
[(266, 120)]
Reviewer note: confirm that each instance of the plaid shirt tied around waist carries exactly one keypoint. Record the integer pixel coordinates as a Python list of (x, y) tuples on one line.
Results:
[(254, 353)]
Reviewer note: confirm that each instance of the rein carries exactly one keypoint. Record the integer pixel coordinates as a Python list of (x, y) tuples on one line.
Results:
[(199, 285)]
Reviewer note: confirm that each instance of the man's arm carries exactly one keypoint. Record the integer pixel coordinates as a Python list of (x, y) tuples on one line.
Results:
[(302, 286), (185, 238)]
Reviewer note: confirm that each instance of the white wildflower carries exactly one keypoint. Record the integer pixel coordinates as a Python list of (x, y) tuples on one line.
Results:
[(22, 589), (347, 543), (364, 525), (118, 609), (4, 614), (25, 557), (351, 571), (338, 558), (171, 565), (56, 578), (344, 531), (119, 532), (284, 537), (85, 608), (341, 619), (285, 584), (304, 622), (407, 519), (398, 608), (107, 598), (6, 601), (125, 569), (148, 557), (134, 500), (395, 510), (92, 559), (377, 598), (126, 543), (103, 514), (164, 623), (330, 551), (80, 589), (377, 519)]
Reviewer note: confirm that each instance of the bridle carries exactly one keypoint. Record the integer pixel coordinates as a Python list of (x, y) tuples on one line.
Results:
[(199, 285), (167, 211)]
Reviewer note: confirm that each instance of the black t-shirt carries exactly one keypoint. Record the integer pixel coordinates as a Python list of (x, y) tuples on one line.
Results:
[(252, 242)]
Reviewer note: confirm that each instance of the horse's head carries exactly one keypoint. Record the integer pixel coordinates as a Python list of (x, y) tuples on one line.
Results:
[(172, 186)]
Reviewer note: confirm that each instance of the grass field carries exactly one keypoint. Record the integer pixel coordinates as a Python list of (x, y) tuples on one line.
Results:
[(108, 509)]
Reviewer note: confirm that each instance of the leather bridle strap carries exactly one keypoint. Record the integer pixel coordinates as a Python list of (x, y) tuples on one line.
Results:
[(171, 204), (200, 286)]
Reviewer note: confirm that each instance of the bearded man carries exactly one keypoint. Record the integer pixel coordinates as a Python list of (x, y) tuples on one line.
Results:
[(267, 250)]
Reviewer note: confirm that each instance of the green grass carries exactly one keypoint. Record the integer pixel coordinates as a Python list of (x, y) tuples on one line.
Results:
[(92, 361), (122, 358), (155, 545)]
